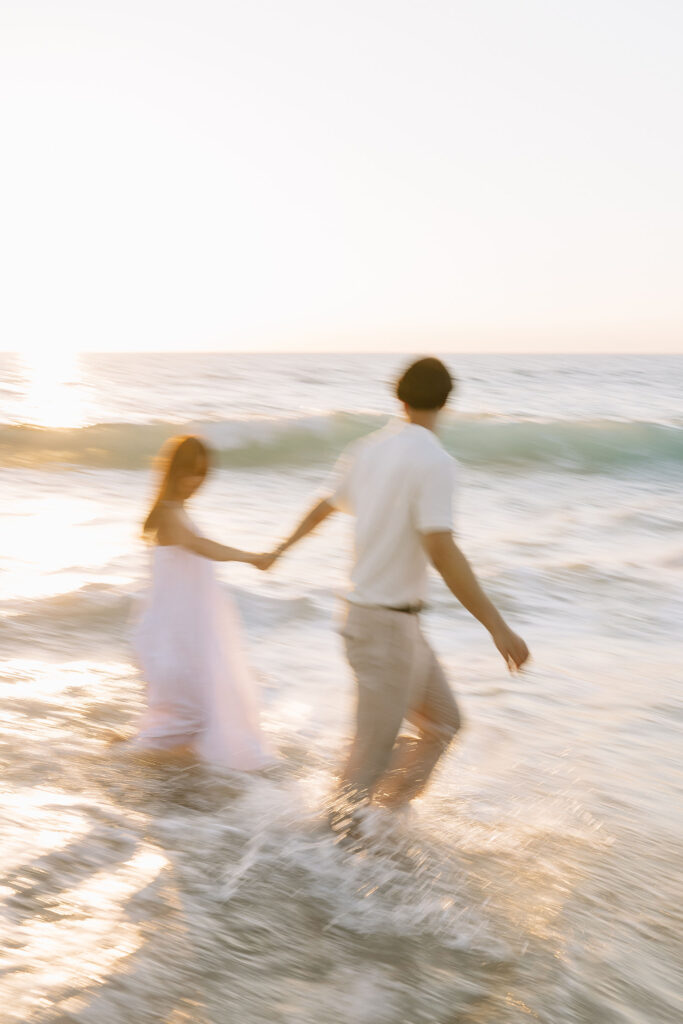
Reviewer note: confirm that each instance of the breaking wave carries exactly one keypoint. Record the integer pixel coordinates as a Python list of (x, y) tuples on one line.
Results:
[(581, 445)]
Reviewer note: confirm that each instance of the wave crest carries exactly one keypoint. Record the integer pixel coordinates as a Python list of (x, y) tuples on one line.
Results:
[(578, 445)]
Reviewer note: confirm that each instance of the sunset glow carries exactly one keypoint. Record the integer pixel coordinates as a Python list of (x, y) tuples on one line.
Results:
[(365, 176)]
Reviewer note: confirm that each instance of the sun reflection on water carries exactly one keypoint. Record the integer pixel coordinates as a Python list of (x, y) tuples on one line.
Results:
[(52, 544), (85, 936), (54, 389)]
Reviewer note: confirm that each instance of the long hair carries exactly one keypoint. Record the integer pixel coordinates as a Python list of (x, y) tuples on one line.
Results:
[(181, 456)]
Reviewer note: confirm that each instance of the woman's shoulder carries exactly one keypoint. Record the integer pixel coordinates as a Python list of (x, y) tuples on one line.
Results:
[(172, 520), (173, 509)]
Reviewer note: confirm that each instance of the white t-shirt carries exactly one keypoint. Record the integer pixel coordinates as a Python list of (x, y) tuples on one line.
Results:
[(399, 484)]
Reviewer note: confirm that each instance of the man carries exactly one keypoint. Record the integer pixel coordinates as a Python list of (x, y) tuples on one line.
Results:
[(398, 483)]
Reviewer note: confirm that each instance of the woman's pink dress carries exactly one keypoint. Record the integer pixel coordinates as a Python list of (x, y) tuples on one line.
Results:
[(200, 691)]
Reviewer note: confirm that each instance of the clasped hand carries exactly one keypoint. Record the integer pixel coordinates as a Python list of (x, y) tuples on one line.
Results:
[(266, 559)]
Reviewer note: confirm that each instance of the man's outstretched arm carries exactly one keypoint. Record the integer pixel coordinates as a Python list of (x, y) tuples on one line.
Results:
[(451, 564), (317, 515)]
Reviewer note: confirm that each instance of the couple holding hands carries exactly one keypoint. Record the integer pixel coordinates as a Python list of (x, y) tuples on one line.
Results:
[(398, 484)]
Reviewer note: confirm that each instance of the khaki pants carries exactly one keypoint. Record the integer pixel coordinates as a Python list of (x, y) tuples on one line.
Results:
[(398, 677)]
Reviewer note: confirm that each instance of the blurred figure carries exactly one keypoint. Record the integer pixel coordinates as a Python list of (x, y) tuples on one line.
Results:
[(201, 696), (398, 483)]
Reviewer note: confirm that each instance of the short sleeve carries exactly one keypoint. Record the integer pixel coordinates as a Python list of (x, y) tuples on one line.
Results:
[(338, 488), (436, 491)]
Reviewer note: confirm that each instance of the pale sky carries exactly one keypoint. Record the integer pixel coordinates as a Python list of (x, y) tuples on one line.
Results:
[(500, 175)]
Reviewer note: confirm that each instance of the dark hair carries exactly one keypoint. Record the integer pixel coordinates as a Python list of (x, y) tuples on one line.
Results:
[(426, 384), (180, 456)]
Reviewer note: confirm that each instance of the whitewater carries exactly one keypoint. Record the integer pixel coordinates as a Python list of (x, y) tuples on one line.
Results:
[(539, 878)]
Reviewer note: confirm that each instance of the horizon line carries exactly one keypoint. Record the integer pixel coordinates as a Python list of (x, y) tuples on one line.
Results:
[(342, 352)]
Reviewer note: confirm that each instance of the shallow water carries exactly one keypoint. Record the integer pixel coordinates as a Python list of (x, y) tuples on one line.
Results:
[(539, 879)]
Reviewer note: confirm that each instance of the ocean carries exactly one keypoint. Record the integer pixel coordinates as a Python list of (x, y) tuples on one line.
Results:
[(539, 879)]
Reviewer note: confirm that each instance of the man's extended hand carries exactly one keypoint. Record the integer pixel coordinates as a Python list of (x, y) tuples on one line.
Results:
[(317, 515), (264, 560), (512, 648)]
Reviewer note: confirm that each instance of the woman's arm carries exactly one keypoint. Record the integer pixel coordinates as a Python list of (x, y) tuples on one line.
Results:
[(176, 532)]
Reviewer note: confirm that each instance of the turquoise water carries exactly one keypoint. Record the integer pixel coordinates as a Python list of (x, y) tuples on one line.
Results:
[(539, 879)]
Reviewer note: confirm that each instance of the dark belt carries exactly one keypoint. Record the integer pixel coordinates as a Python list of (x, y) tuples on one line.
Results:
[(408, 609)]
